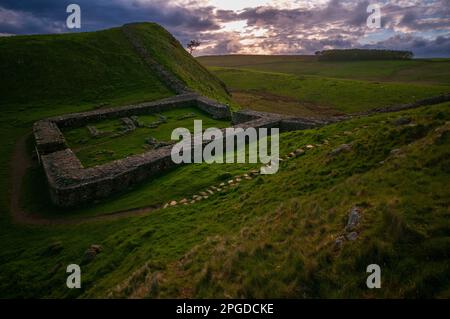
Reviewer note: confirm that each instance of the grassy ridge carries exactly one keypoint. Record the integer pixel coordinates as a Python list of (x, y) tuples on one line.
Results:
[(165, 49), (309, 93)]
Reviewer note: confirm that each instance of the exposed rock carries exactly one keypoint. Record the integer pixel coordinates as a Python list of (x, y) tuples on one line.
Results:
[(173, 203), (339, 242), (340, 149), (353, 219), (183, 201), (352, 236), (96, 248), (309, 146), (128, 124), (155, 143), (299, 151), (91, 253), (186, 116), (203, 194), (401, 121), (136, 121), (53, 249), (93, 131)]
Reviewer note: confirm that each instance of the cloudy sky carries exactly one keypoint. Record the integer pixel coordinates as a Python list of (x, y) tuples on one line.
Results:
[(253, 26)]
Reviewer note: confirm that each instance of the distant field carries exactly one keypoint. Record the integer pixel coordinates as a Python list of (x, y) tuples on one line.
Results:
[(433, 71), (113, 143), (309, 95)]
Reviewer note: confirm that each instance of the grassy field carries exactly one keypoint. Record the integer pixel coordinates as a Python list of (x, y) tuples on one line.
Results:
[(272, 236), (303, 86), (313, 95), (113, 143), (430, 71)]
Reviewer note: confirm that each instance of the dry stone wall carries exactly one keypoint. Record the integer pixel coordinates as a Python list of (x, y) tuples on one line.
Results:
[(71, 184)]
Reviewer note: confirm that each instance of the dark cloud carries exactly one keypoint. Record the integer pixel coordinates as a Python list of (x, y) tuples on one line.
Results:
[(420, 46), (421, 26)]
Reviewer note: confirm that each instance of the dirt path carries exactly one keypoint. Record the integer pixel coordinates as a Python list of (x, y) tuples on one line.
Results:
[(20, 163)]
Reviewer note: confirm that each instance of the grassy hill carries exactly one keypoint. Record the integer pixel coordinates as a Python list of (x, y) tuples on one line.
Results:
[(271, 236)]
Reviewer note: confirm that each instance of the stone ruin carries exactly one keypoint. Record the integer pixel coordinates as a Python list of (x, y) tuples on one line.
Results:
[(71, 184)]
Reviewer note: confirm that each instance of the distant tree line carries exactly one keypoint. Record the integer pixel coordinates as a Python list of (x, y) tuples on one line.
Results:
[(363, 55)]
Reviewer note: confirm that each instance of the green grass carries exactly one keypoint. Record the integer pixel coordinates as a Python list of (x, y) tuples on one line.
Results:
[(50, 75), (305, 95), (58, 69), (425, 71), (165, 49), (288, 251), (107, 147), (272, 236)]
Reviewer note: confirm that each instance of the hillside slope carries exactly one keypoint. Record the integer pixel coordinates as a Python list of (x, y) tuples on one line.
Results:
[(95, 67), (291, 240)]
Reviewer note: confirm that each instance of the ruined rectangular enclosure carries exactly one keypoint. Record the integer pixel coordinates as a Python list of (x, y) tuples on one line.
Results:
[(71, 184)]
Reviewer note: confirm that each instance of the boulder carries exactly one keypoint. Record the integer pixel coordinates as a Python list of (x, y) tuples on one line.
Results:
[(91, 253), (340, 149), (354, 218), (401, 121), (339, 242), (352, 236)]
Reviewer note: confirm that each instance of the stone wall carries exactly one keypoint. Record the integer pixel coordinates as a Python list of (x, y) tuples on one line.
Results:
[(71, 184)]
